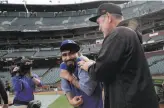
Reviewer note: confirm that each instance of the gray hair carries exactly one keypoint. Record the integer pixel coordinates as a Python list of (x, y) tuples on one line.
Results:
[(117, 16)]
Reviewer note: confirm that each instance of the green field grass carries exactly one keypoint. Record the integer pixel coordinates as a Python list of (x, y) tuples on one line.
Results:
[(61, 102)]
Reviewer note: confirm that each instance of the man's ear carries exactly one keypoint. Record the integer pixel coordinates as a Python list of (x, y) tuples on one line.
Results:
[(109, 17)]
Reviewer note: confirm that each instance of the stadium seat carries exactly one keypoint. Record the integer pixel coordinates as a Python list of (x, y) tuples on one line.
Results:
[(156, 64), (25, 22), (2, 53), (54, 21), (157, 38), (67, 13), (45, 14), (5, 76), (47, 53), (2, 19), (39, 72), (91, 11), (20, 54), (52, 76), (78, 20)]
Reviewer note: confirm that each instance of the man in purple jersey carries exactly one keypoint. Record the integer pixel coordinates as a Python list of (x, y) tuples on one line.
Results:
[(24, 83), (81, 91)]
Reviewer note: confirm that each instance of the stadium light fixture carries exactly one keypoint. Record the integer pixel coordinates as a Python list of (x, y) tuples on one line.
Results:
[(25, 2)]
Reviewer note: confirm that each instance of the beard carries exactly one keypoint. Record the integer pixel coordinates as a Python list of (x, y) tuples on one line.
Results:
[(71, 65)]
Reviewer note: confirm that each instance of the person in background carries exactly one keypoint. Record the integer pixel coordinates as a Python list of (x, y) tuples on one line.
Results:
[(7, 87), (56, 90), (3, 94), (24, 83)]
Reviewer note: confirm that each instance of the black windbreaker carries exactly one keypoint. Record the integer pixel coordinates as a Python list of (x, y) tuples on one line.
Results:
[(122, 67)]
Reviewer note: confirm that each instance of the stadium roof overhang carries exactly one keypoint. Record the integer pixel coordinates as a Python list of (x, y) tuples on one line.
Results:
[(57, 31), (153, 16), (55, 8)]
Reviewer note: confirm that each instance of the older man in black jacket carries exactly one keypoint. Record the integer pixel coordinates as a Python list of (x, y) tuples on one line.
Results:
[(121, 64)]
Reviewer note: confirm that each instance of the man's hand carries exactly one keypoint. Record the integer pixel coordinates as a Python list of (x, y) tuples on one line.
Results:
[(85, 65), (5, 106), (66, 75), (76, 101)]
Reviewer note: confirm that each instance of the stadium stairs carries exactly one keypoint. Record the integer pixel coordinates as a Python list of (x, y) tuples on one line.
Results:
[(46, 72)]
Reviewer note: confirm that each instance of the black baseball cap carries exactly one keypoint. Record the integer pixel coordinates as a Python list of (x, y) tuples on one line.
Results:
[(106, 7), (69, 45)]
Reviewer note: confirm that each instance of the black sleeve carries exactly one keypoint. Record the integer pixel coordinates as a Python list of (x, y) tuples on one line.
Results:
[(106, 64), (3, 92), (139, 36)]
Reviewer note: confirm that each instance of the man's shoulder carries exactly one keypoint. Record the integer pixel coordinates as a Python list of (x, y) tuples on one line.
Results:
[(124, 30), (63, 65), (16, 77), (119, 32), (124, 33)]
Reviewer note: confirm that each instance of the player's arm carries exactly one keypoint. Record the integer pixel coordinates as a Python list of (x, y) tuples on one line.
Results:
[(36, 80), (69, 96), (73, 100), (75, 82), (84, 83), (65, 74)]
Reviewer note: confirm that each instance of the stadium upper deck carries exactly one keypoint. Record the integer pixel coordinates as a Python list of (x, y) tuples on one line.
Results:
[(55, 8), (50, 25), (46, 17), (55, 17)]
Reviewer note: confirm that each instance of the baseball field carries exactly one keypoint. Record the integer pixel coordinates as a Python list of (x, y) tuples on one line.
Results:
[(50, 100)]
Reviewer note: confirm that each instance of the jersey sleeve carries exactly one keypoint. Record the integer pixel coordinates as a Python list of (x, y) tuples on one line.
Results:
[(63, 66), (87, 85), (65, 86)]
